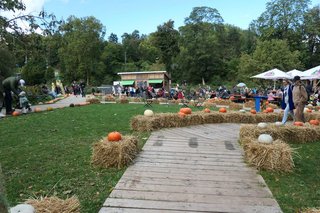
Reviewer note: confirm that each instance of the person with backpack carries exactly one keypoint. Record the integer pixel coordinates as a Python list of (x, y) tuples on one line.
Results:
[(287, 101), (300, 98)]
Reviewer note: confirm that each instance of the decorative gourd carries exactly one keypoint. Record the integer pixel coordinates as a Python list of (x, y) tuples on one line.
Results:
[(298, 123), (253, 111), (114, 136), (181, 114), (314, 122), (186, 110), (278, 123), (148, 113), (269, 109), (242, 110), (49, 109), (262, 125), (206, 110), (37, 109), (223, 110), (16, 113), (22, 208), (265, 138), (309, 110), (305, 110)]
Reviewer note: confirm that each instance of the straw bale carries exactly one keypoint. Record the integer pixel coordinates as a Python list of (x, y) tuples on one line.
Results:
[(162, 100), (109, 98), (310, 210), (208, 104), (235, 106), (222, 102), (118, 154), (55, 205), (135, 99), (93, 100), (287, 133), (273, 157), (273, 106), (122, 100), (249, 104)]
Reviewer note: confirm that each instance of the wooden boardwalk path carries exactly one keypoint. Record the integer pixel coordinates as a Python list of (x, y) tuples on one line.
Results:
[(191, 169)]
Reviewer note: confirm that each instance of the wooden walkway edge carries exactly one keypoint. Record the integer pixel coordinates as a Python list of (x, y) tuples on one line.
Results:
[(191, 169)]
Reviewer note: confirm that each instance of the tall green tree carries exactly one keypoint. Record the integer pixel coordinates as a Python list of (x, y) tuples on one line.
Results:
[(268, 55), (81, 48), (311, 38), (282, 20), (166, 40)]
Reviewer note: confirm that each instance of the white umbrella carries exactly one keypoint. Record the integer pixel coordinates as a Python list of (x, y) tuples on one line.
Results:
[(241, 85), (295, 72), (273, 74), (313, 73)]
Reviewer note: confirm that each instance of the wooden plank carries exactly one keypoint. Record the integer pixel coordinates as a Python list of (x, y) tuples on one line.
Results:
[(191, 172), (185, 155), (188, 206), (190, 162), (135, 210), (196, 151), (236, 199), (191, 167), (133, 181)]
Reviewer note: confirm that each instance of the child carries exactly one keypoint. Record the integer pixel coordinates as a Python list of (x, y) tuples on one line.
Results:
[(24, 102)]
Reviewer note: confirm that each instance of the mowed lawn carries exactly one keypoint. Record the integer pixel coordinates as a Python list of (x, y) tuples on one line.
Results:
[(49, 153)]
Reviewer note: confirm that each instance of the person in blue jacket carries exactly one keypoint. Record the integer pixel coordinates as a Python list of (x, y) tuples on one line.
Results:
[(287, 101)]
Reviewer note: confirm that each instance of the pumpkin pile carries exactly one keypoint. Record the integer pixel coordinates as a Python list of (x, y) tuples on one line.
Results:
[(184, 111), (114, 150)]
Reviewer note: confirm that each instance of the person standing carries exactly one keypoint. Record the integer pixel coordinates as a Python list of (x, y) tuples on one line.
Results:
[(82, 87), (300, 98), (287, 101), (10, 84)]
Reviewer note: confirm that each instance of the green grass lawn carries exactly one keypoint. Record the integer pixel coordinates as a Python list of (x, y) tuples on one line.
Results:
[(49, 153), (300, 189)]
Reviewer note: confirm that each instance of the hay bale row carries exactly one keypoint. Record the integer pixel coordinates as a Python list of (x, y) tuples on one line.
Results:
[(249, 104), (93, 100), (55, 205), (272, 157), (118, 154), (286, 133), (168, 120), (109, 98), (235, 106)]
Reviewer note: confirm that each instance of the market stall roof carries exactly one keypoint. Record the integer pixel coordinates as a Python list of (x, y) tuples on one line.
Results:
[(126, 83)]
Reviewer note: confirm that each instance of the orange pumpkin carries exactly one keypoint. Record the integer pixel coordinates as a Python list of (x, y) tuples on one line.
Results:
[(269, 109), (314, 122), (298, 123), (181, 114), (16, 113), (223, 110), (114, 136), (265, 111), (267, 102), (186, 110), (206, 110), (253, 111)]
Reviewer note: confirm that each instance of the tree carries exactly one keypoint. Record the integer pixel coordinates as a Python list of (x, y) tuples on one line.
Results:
[(204, 15), (7, 62), (268, 55), (311, 29), (81, 48), (113, 38), (282, 20), (166, 40)]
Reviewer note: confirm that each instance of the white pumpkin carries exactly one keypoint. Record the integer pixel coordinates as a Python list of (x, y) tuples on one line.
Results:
[(278, 123), (148, 112), (262, 125), (22, 208), (265, 138), (310, 105), (242, 110), (305, 110)]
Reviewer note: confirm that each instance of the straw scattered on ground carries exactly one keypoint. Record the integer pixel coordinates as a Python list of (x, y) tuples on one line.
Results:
[(107, 154), (272, 157), (310, 210), (55, 205)]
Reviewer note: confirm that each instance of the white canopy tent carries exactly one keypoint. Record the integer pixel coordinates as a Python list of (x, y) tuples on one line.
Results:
[(311, 74), (295, 72), (274, 74)]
